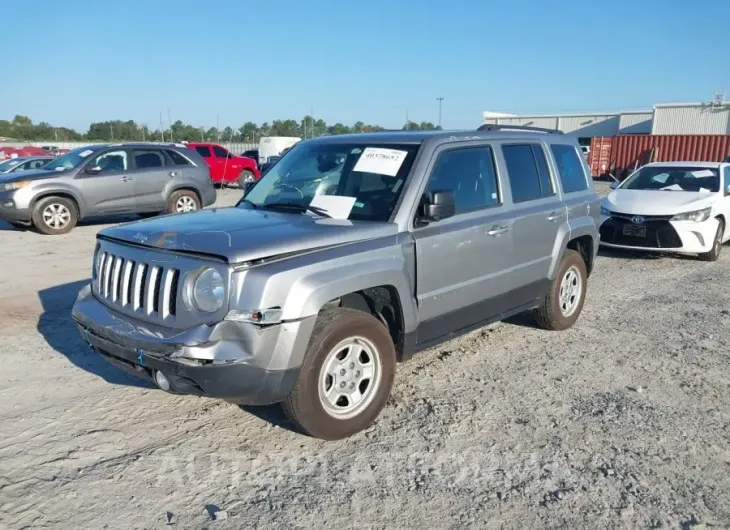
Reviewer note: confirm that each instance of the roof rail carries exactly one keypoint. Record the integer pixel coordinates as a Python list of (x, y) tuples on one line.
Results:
[(495, 127)]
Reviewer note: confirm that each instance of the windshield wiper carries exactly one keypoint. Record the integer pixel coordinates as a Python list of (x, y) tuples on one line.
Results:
[(296, 207)]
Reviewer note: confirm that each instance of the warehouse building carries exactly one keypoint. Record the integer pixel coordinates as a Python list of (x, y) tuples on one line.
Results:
[(676, 118)]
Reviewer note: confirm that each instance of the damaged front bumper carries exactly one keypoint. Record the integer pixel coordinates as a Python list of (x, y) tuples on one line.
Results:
[(238, 362)]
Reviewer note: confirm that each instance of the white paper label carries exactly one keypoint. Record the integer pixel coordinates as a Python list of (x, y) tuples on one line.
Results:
[(380, 161), (86, 153), (335, 206), (703, 173)]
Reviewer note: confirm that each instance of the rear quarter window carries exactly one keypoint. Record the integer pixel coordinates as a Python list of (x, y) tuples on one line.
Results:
[(176, 158), (570, 169)]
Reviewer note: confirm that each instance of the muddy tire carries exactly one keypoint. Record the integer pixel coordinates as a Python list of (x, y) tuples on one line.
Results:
[(244, 177), (346, 377), (54, 216), (714, 253), (183, 201), (563, 304)]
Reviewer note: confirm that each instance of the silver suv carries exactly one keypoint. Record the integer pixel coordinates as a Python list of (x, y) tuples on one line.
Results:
[(97, 180), (352, 253)]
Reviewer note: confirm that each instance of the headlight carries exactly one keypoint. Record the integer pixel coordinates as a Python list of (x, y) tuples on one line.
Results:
[(697, 216), (14, 185), (208, 291), (605, 211)]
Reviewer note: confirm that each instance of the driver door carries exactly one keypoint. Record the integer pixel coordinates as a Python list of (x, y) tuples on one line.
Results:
[(110, 187)]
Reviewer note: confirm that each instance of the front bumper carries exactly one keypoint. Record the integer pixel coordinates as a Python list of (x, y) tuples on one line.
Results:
[(677, 237), (11, 209), (237, 362)]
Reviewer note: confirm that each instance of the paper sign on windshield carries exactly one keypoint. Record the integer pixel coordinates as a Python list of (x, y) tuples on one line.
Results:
[(336, 206), (703, 173), (380, 161), (86, 153)]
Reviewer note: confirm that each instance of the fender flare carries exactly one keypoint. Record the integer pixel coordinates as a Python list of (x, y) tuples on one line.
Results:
[(55, 190), (567, 232)]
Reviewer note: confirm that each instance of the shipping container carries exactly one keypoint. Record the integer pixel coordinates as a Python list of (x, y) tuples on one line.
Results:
[(600, 156), (631, 151)]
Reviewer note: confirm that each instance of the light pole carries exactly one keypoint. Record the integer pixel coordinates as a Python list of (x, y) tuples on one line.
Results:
[(439, 100)]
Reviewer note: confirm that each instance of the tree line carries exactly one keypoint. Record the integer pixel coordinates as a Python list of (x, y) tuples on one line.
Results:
[(23, 128)]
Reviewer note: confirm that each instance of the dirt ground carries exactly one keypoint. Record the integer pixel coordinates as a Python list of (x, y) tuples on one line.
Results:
[(621, 422)]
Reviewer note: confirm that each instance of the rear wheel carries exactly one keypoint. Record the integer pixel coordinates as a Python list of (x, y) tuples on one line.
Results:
[(563, 304), (55, 215), (244, 177), (714, 253), (346, 377), (183, 201)]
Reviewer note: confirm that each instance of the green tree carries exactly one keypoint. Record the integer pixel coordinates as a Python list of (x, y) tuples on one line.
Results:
[(338, 128), (249, 132)]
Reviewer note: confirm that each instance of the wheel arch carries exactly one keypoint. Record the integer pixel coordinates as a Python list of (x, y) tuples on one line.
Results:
[(59, 193)]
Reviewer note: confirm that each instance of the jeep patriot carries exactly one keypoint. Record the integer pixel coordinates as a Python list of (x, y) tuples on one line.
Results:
[(351, 254)]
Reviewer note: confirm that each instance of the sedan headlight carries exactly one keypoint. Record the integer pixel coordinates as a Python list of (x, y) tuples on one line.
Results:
[(606, 212), (208, 291), (697, 216), (14, 185)]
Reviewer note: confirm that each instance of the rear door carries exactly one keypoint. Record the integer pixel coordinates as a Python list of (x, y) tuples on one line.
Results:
[(111, 188), (205, 152), (151, 174), (538, 215), (462, 262)]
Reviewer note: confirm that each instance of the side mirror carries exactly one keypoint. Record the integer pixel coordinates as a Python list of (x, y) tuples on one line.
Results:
[(92, 170), (614, 184), (438, 205)]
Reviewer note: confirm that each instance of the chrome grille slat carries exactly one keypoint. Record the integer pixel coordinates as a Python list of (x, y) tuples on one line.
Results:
[(144, 288)]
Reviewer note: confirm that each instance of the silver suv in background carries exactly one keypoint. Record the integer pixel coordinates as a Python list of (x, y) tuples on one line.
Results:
[(351, 253), (99, 180)]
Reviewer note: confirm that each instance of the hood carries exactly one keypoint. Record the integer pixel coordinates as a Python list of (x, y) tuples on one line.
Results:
[(240, 234), (28, 174), (655, 202)]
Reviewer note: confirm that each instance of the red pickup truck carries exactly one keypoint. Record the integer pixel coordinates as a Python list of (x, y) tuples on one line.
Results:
[(225, 167)]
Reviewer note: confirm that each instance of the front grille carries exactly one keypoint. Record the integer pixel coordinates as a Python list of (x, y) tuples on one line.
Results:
[(659, 232), (142, 287)]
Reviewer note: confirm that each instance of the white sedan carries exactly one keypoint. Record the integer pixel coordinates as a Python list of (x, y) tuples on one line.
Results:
[(676, 207)]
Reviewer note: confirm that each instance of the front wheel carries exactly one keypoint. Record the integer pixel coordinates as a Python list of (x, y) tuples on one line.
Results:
[(346, 377), (55, 215), (714, 253), (562, 305), (245, 177)]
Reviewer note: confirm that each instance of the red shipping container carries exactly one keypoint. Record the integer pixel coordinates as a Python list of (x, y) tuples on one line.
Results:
[(629, 151), (600, 156)]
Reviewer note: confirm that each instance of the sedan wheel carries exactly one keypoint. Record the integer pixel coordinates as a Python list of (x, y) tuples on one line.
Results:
[(185, 204)]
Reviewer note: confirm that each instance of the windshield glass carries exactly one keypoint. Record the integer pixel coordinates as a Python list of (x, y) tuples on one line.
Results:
[(70, 160), (673, 179), (371, 176), (10, 163)]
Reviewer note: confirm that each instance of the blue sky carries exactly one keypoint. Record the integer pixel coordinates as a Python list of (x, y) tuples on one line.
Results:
[(369, 61)]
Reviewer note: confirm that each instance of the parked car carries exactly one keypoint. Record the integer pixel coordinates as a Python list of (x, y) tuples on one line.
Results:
[(253, 154), (23, 163), (310, 290), (225, 167), (275, 146), (100, 180), (672, 207)]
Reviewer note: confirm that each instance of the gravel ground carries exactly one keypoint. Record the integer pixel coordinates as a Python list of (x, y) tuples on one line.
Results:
[(622, 421)]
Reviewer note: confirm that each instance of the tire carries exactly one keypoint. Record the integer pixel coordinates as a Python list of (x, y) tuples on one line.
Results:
[(557, 313), (244, 176), (714, 253), (183, 201), (54, 216), (308, 407)]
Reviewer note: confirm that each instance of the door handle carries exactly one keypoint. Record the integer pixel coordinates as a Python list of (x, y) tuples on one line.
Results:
[(497, 230), (173, 173), (555, 216), (126, 178)]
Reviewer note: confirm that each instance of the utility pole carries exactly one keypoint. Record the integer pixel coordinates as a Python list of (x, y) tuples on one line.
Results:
[(111, 128), (217, 128), (311, 122), (162, 131), (169, 120), (439, 100)]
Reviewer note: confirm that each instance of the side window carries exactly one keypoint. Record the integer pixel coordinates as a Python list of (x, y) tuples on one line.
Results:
[(111, 161), (203, 150), (177, 158), (470, 175), (220, 152), (529, 177), (148, 159), (35, 164), (572, 174)]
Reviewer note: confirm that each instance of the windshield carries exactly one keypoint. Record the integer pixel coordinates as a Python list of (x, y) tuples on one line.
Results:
[(673, 179), (10, 163), (369, 178), (70, 160)]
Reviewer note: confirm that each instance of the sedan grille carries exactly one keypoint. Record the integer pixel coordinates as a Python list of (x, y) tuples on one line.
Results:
[(141, 287)]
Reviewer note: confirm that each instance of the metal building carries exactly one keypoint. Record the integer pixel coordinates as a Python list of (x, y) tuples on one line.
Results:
[(692, 118)]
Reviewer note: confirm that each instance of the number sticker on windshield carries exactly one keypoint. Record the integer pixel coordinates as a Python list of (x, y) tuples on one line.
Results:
[(380, 161), (703, 173)]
